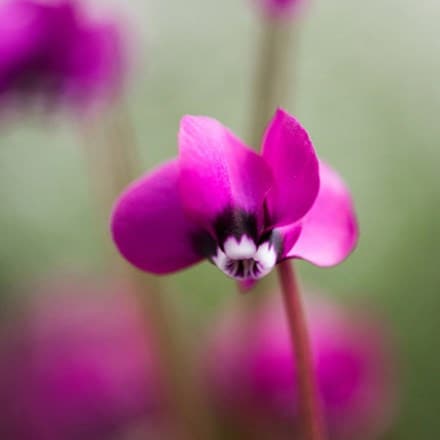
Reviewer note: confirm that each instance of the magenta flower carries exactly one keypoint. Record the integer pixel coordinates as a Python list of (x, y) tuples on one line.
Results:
[(251, 377), (79, 363), (241, 210), (53, 51)]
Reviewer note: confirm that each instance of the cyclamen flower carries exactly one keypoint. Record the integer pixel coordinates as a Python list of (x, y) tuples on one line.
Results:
[(51, 50), (78, 363), (241, 210), (251, 379)]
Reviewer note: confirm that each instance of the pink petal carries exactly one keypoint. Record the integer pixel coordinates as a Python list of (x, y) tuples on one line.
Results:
[(149, 226), (289, 236), (94, 66), (218, 172), (329, 230), (289, 152), (21, 31)]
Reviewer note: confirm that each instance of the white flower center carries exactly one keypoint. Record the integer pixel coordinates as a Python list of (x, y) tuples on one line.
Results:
[(242, 259)]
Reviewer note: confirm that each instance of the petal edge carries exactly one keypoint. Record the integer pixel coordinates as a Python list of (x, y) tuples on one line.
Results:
[(329, 230), (219, 172), (288, 150), (149, 226)]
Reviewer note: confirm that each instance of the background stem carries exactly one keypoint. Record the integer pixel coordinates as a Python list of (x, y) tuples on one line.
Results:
[(111, 152), (309, 402), (273, 75), (272, 87)]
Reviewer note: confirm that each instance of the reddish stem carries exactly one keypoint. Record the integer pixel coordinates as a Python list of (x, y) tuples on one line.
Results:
[(310, 408)]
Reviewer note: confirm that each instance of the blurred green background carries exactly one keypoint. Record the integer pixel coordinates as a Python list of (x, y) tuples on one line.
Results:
[(367, 90)]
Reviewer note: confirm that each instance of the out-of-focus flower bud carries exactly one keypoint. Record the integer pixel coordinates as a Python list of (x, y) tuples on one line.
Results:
[(53, 52), (279, 9), (250, 371), (78, 364)]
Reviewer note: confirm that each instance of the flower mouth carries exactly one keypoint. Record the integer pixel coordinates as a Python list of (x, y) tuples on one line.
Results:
[(241, 259)]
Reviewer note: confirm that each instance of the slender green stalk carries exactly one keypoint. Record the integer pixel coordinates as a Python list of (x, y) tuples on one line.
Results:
[(273, 78), (309, 402), (113, 158), (182, 387)]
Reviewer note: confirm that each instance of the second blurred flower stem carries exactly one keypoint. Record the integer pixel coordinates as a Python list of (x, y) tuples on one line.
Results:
[(309, 402), (271, 85), (112, 151), (272, 74)]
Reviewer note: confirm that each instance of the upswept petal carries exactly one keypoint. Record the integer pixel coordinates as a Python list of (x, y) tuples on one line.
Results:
[(149, 226), (329, 230), (218, 172), (289, 152)]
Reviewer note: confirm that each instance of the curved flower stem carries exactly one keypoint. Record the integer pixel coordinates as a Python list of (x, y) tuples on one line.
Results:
[(110, 149), (310, 408)]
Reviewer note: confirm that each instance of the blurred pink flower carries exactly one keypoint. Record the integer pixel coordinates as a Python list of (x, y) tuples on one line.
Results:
[(51, 51), (78, 364), (243, 211), (279, 9), (250, 371)]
